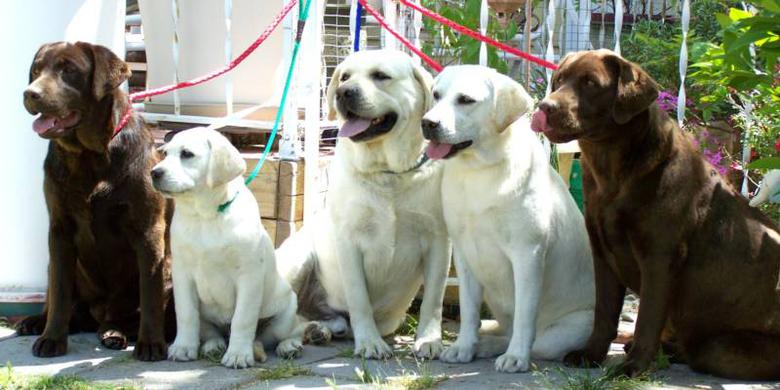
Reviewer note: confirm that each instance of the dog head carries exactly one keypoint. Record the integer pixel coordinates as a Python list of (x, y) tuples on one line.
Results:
[(376, 92), (593, 94), (67, 81), (472, 104), (196, 160)]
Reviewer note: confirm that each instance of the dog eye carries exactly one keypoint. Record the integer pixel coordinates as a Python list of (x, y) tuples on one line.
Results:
[(590, 82), (344, 77), (463, 99), (380, 76), (185, 154), (436, 96)]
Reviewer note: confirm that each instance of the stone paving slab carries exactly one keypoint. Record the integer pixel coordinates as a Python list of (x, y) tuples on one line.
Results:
[(328, 367)]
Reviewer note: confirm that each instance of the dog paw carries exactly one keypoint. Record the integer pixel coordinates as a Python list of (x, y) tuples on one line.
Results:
[(213, 347), (458, 353), (632, 368), (289, 349), (152, 351), (46, 346), (581, 358), (31, 326), (238, 357), (372, 348), (428, 347), (113, 339), (317, 334), (182, 352), (511, 363), (258, 350)]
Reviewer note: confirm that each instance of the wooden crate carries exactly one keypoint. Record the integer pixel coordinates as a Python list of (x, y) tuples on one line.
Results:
[(279, 189)]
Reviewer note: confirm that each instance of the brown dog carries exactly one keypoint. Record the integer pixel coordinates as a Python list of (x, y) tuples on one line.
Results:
[(108, 231), (664, 223)]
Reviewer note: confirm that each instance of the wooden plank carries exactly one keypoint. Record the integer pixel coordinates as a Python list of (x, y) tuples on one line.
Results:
[(270, 227), (265, 185)]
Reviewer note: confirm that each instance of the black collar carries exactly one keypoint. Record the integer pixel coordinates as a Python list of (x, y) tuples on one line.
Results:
[(420, 162)]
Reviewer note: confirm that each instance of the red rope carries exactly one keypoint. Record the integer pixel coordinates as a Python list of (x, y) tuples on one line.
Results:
[(202, 79), (478, 36), (430, 61)]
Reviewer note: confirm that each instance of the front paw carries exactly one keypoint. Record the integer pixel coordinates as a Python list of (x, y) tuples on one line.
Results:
[(317, 334), (582, 358), (509, 362), (428, 347), (32, 325), (49, 346), (182, 351), (458, 353), (113, 339), (632, 367), (238, 357), (152, 351), (372, 348), (289, 349)]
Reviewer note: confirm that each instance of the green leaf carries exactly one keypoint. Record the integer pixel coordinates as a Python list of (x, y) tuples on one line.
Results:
[(765, 163)]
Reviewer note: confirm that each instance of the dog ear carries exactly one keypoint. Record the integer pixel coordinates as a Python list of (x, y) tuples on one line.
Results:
[(636, 90), (511, 101), (35, 58), (330, 94), (425, 80), (109, 71), (225, 162)]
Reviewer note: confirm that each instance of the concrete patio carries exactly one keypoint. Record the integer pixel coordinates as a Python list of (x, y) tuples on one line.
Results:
[(324, 367)]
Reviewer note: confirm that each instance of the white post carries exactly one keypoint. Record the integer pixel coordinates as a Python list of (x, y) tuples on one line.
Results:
[(312, 75), (228, 56), (685, 18), (175, 54), (389, 10), (289, 144), (550, 54), (602, 28), (483, 25), (618, 23)]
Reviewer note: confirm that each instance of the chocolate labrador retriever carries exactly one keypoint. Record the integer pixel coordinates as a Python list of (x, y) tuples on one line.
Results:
[(664, 223), (108, 243)]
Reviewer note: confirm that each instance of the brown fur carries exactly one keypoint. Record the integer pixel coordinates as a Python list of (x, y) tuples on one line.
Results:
[(664, 223), (108, 236)]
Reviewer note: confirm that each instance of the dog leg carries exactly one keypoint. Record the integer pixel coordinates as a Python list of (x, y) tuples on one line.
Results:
[(59, 297), (243, 325), (567, 334), (185, 295), (212, 340), (609, 300), (150, 251), (368, 341), (656, 279), (528, 271), (428, 344), (470, 296), (285, 331)]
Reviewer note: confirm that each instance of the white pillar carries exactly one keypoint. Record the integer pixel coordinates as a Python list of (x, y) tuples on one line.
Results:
[(289, 144), (483, 25), (618, 23), (311, 57), (24, 230)]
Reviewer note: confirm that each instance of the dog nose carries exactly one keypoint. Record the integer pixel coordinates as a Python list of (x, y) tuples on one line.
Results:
[(346, 93), (31, 94), (430, 128), (157, 173), (547, 106)]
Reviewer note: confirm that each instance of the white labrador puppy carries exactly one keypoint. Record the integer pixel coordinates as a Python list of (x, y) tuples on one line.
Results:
[(518, 235), (224, 271), (382, 232)]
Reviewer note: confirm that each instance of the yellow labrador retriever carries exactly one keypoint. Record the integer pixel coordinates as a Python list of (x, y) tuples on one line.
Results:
[(382, 231)]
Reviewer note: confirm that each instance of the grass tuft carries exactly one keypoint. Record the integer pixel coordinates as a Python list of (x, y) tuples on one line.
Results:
[(284, 370), (12, 381), (586, 379)]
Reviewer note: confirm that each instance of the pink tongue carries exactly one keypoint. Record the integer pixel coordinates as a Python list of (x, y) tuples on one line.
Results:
[(539, 122), (43, 123), (354, 126), (438, 151)]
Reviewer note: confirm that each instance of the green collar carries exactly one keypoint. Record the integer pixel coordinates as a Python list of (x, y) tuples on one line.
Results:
[(221, 208)]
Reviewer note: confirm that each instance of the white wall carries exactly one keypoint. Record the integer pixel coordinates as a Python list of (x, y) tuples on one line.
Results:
[(24, 26)]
